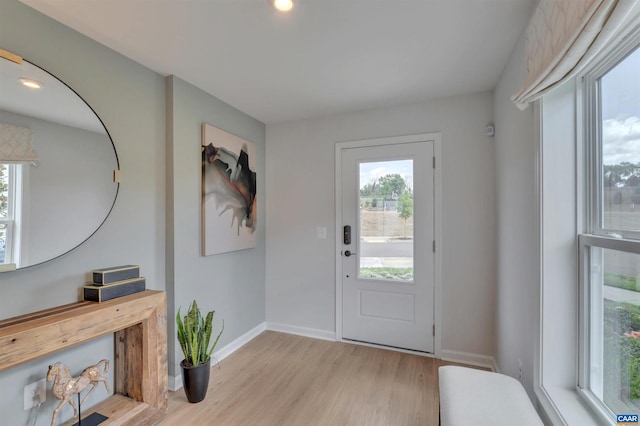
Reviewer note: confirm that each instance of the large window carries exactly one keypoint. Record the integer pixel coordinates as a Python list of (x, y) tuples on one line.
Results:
[(610, 244), (619, 104)]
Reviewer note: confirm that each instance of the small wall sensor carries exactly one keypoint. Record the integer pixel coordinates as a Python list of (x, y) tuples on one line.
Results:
[(490, 130)]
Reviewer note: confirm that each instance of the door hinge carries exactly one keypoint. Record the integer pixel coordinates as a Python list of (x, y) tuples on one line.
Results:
[(433, 330), (434, 246), (434, 162)]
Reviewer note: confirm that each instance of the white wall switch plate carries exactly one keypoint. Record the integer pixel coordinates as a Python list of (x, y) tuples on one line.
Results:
[(321, 233)]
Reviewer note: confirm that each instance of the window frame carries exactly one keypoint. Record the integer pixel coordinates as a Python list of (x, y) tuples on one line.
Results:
[(591, 232), (10, 220), (592, 119)]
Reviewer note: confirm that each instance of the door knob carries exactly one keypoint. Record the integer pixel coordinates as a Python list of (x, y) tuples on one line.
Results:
[(348, 253)]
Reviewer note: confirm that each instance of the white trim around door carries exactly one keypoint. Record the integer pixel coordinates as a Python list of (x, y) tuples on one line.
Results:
[(436, 138)]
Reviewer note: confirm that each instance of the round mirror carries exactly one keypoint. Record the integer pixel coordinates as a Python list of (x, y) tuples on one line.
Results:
[(57, 164)]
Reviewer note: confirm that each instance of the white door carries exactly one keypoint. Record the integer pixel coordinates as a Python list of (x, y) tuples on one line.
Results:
[(388, 245)]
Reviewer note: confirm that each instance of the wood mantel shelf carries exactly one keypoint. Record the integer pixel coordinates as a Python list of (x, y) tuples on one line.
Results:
[(139, 322)]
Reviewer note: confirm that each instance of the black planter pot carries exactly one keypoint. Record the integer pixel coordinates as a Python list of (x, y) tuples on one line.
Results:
[(195, 381)]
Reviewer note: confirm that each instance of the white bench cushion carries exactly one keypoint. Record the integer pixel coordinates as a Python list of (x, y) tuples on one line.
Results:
[(483, 398)]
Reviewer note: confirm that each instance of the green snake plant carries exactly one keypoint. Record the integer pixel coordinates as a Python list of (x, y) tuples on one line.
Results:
[(194, 334)]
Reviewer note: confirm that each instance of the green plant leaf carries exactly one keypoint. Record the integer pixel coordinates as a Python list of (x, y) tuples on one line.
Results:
[(194, 335), (215, 342), (182, 338)]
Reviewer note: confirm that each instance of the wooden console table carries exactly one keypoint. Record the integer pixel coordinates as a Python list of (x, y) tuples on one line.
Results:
[(139, 322)]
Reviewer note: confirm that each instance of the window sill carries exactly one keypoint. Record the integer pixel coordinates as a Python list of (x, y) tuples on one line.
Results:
[(567, 406)]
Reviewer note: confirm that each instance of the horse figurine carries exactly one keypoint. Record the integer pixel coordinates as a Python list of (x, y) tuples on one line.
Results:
[(65, 386)]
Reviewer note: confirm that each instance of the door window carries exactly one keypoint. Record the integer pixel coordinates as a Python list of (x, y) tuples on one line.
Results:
[(386, 220)]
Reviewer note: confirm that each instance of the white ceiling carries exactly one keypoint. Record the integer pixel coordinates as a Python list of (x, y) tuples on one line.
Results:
[(326, 57)]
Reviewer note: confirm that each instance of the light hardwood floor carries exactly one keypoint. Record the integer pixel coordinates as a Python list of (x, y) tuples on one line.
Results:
[(281, 379)]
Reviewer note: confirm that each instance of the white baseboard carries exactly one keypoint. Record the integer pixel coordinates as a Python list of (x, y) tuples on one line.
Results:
[(484, 361), (175, 382), (230, 348), (302, 331)]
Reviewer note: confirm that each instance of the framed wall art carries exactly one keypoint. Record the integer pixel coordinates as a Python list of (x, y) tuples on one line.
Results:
[(228, 192)]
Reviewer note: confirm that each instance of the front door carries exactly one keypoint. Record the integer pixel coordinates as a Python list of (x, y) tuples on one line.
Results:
[(388, 245)]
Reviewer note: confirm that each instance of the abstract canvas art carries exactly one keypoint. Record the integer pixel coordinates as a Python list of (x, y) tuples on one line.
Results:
[(228, 192)]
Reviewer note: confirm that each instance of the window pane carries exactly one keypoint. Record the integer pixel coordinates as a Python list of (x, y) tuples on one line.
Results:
[(615, 329), (620, 95), (4, 190), (386, 220), (3, 241), (7, 188)]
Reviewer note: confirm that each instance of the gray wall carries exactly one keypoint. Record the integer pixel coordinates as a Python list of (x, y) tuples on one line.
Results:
[(130, 99), (232, 284), (160, 189), (517, 309), (300, 183)]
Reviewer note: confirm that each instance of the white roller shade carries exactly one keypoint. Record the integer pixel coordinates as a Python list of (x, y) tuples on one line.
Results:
[(16, 145), (563, 36)]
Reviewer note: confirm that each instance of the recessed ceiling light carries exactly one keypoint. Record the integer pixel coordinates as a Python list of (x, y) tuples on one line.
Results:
[(32, 84), (282, 5)]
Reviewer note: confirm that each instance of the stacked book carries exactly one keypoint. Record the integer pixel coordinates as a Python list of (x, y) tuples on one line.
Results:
[(110, 283)]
